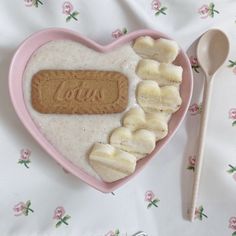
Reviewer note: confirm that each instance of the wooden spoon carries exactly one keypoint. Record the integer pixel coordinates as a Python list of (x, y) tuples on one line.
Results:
[(212, 51)]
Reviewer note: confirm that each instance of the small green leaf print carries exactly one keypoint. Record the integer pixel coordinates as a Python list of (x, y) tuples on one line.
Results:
[(232, 169), (117, 232), (72, 16), (67, 217), (68, 18), (234, 123), (26, 212), (28, 203), (195, 68), (234, 233), (125, 31), (161, 11), (191, 168), (154, 203), (212, 9), (199, 213), (232, 63), (37, 2), (58, 224)]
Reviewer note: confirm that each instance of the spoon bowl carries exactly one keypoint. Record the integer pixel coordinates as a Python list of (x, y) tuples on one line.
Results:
[(212, 50)]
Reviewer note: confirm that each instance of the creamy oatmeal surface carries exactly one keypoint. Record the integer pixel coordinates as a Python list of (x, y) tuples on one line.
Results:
[(74, 135)]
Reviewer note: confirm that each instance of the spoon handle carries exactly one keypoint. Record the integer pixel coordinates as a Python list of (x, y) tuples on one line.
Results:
[(201, 142)]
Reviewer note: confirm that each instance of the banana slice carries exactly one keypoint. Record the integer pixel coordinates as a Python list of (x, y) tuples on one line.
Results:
[(164, 74), (139, 143), (136, 119), (152, 98), (110, 163), (162, 50)]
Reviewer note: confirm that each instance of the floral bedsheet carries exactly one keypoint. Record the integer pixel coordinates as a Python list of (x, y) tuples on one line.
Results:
[(39, 197)]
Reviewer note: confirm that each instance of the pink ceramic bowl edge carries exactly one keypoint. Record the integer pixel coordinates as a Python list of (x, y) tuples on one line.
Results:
[(17, 67)]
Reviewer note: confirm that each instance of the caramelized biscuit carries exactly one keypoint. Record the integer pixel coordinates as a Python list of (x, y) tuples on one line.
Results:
[(79, 92)]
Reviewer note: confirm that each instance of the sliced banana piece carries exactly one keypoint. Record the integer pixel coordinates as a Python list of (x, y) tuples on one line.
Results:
[(162, 50), (136, 119), (139, 143), (153, 98), (163, 73), (110, 163)]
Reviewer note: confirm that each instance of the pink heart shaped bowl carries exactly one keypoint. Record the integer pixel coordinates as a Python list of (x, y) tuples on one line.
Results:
[(18, 65)]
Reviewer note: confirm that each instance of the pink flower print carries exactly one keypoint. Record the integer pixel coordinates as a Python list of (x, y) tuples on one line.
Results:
[(25, 154), (232, 116), (18, 208), (195, 109), (22, 208), (232, 170), (150, 197), (118, 33), (194, 64), (203, 11), (234, 70), (234, 176), (192, 162), (232, 224), (207, 11), (59, 214), (110, 233), (30, 3), (67, 9), (232, 113), (193, 60), (199, 213), (113, 233), (156, 6), (24, 157)]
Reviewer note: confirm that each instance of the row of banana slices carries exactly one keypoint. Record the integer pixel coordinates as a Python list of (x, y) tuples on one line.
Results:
[(158, 97)]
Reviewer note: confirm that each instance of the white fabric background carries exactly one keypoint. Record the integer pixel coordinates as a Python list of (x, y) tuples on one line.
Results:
[(94, 213)]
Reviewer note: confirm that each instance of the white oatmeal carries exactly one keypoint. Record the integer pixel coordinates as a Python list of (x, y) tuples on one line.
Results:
[(74, 135)]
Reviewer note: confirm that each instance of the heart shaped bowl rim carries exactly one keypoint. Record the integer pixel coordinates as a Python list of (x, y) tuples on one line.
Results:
[(32, 43)]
